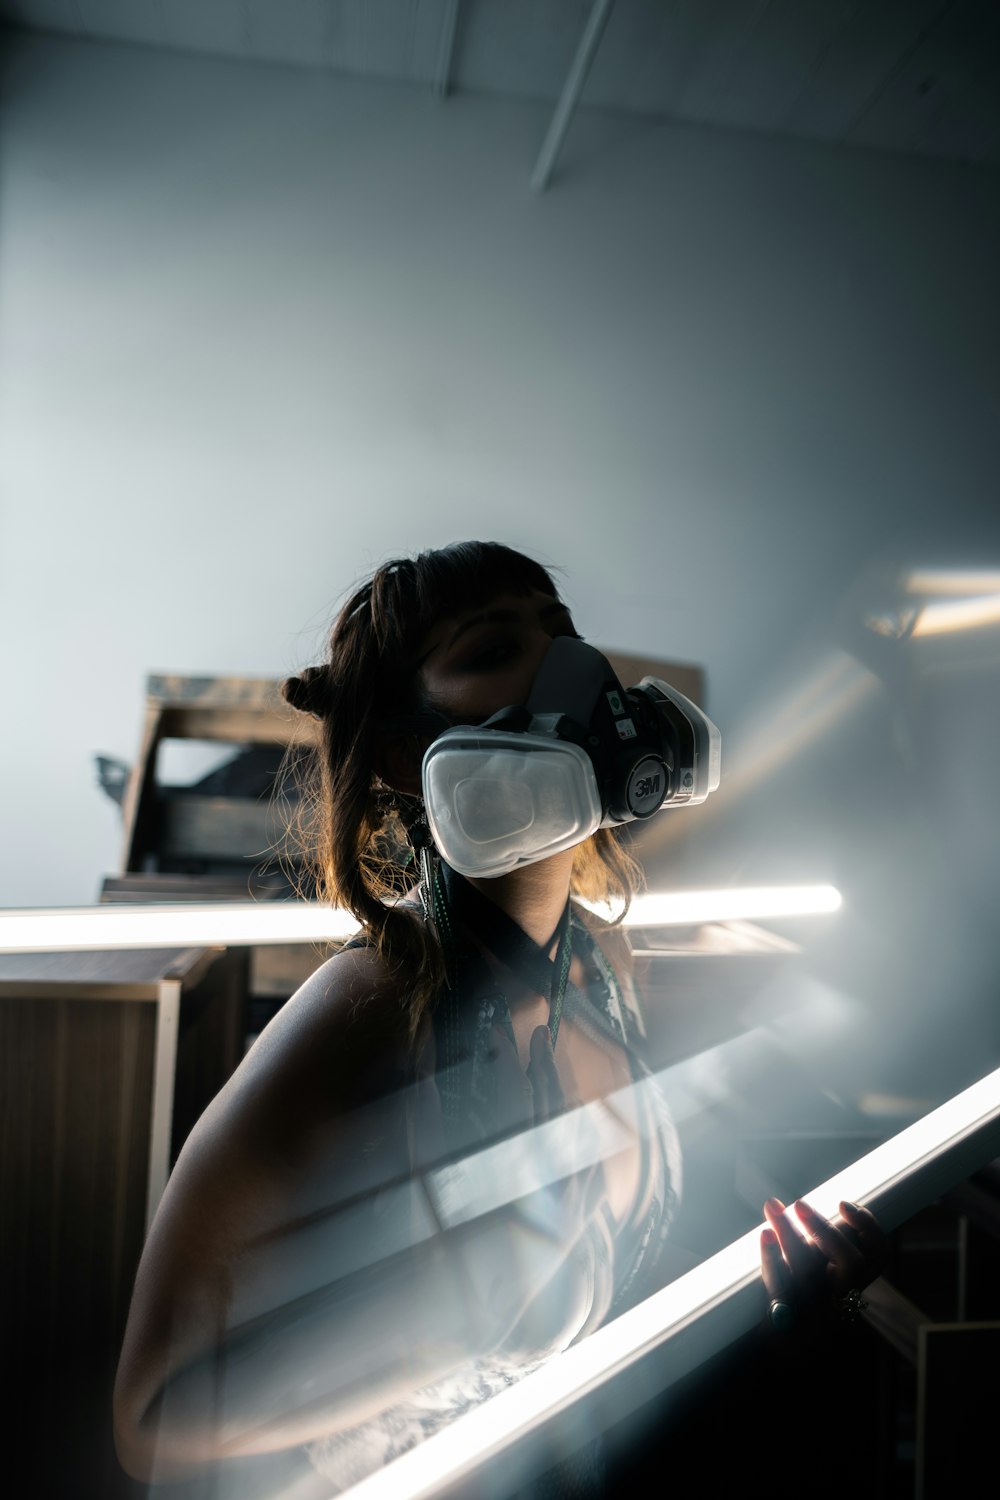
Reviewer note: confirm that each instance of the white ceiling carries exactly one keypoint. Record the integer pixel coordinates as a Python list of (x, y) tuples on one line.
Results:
[(916, 76)]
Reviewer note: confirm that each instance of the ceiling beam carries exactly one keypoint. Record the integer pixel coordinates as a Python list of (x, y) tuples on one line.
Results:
[(575, 79), (446, 49)]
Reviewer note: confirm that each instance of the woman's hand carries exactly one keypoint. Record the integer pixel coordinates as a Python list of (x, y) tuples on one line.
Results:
[(809, 1264)]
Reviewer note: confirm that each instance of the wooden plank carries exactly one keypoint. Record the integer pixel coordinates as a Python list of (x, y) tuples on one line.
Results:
[(161, 1109), (172, 689), (139, 969), (138, 803), (77, 1081), (238, 725), (72, 1163), (225, 828), (165, 886), (211, 1032)]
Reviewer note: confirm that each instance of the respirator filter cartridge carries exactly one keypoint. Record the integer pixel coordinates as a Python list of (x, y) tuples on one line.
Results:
[(500, 800)]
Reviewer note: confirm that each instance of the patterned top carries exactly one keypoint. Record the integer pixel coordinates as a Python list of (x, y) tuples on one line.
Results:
[(619, 1263)]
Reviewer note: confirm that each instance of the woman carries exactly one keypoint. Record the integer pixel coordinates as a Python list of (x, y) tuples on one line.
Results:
[(312, 1281)]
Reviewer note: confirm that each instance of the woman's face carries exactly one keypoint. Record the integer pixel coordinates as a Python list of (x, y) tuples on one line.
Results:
[(481, 660)]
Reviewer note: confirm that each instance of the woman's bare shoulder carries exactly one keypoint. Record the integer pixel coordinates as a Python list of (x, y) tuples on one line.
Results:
[(341, 1041), (352, 998), (306, 1095)]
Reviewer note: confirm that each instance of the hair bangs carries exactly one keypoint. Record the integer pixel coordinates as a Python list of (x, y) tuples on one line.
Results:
[(410, 595)]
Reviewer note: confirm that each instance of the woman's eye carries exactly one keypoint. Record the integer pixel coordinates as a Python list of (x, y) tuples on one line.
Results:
[(492, 656), (499, 653)]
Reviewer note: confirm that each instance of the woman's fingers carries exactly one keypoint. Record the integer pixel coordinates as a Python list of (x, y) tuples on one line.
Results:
[(815, 1249), (809, 1262), (838, 1249), (870, 1235), (803, 1259), (861, 1219)]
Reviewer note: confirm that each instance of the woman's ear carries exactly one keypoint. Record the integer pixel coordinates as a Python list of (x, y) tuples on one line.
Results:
[(400, 747), (398, 761)]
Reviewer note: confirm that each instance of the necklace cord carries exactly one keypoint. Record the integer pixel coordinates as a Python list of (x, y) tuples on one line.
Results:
[(508, 941)]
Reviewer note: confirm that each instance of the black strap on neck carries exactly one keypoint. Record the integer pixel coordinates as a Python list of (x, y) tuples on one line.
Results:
[(509, 943)]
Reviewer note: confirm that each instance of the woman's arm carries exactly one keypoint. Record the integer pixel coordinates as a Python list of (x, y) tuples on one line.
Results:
[(294, 1281)]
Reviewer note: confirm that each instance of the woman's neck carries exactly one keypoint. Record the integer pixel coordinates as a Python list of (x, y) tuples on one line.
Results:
[(534, 896)]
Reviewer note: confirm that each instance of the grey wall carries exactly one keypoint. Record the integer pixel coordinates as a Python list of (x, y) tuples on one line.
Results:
[(261, 328)]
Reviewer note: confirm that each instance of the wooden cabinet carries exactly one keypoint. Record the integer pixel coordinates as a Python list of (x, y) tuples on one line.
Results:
[(106, 1061)]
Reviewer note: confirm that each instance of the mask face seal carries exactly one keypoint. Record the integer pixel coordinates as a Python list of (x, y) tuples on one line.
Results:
[(582, 753)]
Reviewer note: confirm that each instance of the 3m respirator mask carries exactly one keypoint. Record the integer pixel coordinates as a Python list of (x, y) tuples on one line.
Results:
[(582, 753)]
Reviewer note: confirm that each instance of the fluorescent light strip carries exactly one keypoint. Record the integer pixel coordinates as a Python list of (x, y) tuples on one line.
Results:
[(222, 924), (742, 904), (236, 924), (954, 581), (957, 614), (896, 1179)]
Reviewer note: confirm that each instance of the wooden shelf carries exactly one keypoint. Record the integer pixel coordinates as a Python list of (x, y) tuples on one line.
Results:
[(106, 1061)]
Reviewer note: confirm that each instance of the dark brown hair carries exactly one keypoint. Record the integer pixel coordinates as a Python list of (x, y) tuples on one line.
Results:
[(354, 833)]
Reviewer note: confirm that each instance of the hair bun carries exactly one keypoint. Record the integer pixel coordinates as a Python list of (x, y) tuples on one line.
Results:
[(308, 692)]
